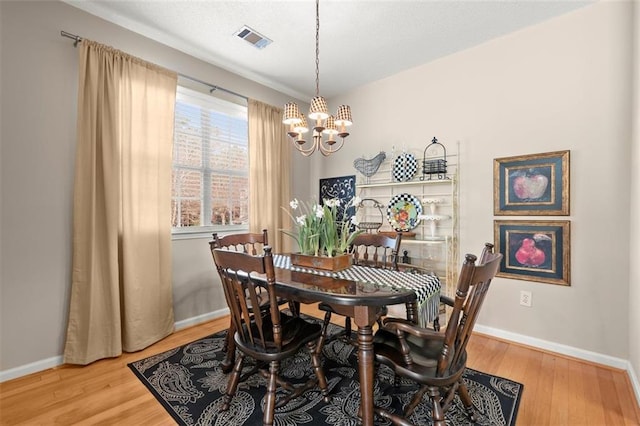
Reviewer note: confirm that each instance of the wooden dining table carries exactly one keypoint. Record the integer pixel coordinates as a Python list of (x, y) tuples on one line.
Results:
[(361, 300)]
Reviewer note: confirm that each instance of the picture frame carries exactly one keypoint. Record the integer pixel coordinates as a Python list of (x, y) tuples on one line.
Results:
[(537, 250), (532, 185)]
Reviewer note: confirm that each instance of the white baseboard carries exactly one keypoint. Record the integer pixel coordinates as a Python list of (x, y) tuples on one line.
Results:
[(635, 384), (554, 347), (56, 361), (34, 367), (189, 322), (595, 357)]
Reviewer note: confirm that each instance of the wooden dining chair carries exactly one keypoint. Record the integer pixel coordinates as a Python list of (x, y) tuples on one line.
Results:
[(268, 337), (373, 250), (251, 243), (376, 250), (248, 242), (433, 359)]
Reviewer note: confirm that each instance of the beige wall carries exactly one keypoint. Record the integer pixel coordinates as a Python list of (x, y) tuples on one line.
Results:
[(562, 84), (38, 98), (634, 234)]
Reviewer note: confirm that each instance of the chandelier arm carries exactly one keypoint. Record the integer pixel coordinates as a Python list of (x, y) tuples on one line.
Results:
[(326, 150), (309, 151)]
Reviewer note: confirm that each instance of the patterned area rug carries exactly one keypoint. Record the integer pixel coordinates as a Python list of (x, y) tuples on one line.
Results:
[(189, 383)]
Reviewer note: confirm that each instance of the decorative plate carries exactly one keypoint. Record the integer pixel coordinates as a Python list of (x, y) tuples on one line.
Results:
[(404, 167), (403, 212)]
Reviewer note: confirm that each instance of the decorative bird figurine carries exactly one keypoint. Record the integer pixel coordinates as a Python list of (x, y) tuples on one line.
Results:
[(369, 167)]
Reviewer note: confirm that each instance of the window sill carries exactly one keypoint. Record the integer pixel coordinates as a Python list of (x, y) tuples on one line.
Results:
[(203, 232)]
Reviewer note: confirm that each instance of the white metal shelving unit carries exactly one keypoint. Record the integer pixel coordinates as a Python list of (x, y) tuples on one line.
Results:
[(433, 249)]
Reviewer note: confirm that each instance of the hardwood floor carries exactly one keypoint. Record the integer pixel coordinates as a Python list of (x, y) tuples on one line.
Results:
[(557, 390)]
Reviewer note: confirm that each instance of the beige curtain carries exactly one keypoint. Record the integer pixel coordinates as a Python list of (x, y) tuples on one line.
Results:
[(270, 174), (121, 296)]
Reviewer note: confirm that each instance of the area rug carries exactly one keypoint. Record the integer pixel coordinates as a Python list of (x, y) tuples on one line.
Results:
[(189, 383)]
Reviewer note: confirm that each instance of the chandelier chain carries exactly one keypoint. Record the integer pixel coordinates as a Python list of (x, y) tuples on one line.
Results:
[(317, 47), (323, 124)]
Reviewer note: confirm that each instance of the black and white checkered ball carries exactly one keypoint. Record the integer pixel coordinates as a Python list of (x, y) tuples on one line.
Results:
[(404, 167)]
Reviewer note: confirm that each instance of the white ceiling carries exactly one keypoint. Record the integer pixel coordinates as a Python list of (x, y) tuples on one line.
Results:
[(360, 40)]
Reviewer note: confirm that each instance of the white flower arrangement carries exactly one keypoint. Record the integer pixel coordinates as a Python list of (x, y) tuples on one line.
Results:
[(318, 231)]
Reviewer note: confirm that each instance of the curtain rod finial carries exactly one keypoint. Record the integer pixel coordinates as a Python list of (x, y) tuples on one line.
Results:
[(76, 39)]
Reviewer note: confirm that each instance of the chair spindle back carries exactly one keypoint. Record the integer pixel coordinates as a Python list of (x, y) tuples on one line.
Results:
[(242, 292), (376, 250), (248, 242), (473, 284)]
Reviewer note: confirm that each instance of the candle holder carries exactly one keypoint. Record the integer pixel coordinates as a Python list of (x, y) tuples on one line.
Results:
[(432, 203), (433, 217)]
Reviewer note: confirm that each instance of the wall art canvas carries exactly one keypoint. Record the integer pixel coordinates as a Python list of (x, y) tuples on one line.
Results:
[(342, 188), (536, 184), (534, 250)]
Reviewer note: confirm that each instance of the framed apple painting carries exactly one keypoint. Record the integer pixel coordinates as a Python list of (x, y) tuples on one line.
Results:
[(536, 184)]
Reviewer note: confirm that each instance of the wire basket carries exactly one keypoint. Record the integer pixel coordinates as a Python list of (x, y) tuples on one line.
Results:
[(434, 161), (368, 203)]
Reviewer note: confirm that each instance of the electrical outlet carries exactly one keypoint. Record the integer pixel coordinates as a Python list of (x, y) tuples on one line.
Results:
[(525, 298)]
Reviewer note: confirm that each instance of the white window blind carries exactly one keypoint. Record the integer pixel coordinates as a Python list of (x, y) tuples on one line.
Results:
[(210, 164)]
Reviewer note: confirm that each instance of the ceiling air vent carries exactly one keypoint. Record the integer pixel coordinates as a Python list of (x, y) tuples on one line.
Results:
[(253, 37)]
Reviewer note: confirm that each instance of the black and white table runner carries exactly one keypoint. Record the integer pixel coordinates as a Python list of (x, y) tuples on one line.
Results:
[(426, 287)]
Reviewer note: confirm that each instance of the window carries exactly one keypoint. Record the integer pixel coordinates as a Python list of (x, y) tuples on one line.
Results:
[(210, 164)]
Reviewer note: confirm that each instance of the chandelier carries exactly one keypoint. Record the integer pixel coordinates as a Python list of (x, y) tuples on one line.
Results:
[(324, 124)]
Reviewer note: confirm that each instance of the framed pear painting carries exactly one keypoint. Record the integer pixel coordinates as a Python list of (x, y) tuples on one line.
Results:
[(536, 185), (534, 250)]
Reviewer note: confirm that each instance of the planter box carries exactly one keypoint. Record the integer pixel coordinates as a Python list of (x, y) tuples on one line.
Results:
[(335, 263)]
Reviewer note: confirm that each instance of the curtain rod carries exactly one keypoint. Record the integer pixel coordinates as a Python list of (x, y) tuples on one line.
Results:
[(77, 39), (214, 87)]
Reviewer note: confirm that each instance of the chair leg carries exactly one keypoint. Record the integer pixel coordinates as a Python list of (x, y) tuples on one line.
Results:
[(438, 412), (317, 368), (270, 400), (415, 401), (294, 307), (463, 391), (232, 384), (347, 327), (325, 327), (394, 418), (229, 349)]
